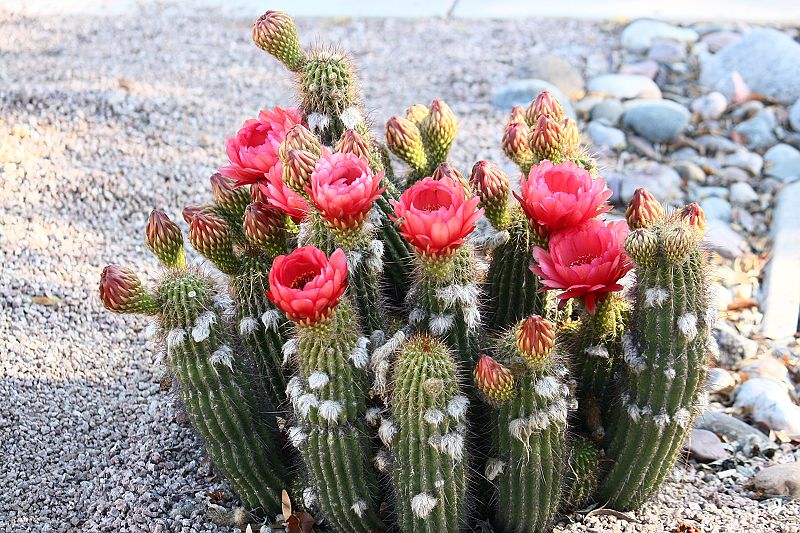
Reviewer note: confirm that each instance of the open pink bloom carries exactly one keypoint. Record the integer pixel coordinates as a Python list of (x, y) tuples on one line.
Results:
[(278, 194), (306, 285), (435, 217), (253, 151), (562, 196), (586, 261), (343, 188)]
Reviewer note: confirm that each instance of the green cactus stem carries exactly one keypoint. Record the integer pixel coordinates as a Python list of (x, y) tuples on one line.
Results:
[(665, 352), (426, 435), (330, 405), (583, 468), (531, 443), (597, 354)]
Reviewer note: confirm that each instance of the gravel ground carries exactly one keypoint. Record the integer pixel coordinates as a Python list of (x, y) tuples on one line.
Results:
[(103, 119)]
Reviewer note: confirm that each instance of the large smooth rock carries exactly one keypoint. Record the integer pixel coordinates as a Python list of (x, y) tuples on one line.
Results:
[(624, 87), (723, 239), (742, 193), (769, 403), (559, 72), (608, 111), (733, 346), (602, 135), (710, 106), (744, 159), (523, 92), (768, 61), (662, 181), (758, 131), (717, 208), (767, 367), (659, 121), (794, 116), (731, 428), (781, 289), (782, 161), (779, 480), (638, 36), (704, 446)]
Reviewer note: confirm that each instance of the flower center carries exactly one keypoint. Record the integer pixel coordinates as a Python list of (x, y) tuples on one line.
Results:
[(300, 281), (433, 200), (585, 259)]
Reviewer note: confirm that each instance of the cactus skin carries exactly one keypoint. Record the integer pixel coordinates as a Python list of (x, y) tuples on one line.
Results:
[(666, 352), (512, 289), (597, 355), (583, 467), (429, 474), (531, 445), (274, 32), (329, 406)]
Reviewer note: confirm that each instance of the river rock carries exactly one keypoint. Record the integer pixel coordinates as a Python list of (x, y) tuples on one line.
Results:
[(749, 161), (667, 51), (661, 180), (559, 72), (718, 208), (768, 61), (783, 162), (716, 40), (658, 121), (710, 106), (638, 36), (648, 68), (523, 92), (742, 193), (769, 403), (704, 446), (602, 135), (733, 346), (608, 111), (794, 116), (624, 87), (723, 239), (767, 367), (733, 429), (758, 131), (779, 480)]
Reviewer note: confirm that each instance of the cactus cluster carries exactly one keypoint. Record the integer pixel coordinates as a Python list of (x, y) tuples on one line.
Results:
[(346, 336)]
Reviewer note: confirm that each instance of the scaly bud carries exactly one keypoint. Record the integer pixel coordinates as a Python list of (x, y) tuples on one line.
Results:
[(191, 211), (165, 240), (275, 33), (265, 227), (517, 115), (121, 291), (210, 236), (417, 114), (492, 186), (544, 104), (438, 130), (297, 169), (643, 209), (547, 140), (351, 142), (641, 245), (494, 380), (572, 138), (693, 216), (678, 241), (299, 138), (516, 146), (231, 200), (446, 170), (535, 338), (405, 140)]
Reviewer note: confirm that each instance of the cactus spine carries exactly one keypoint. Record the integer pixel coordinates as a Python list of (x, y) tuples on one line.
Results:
[(531, 438), (665, 352), (583, 467), (329, 406), (428, 417)]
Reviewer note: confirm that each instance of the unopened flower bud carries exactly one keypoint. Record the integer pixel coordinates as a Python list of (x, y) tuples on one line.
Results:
[(491, 184), (544, 104), (547, 140), (417, 114), (641, 245), (439, 129), (535, 338), (121, 291), (165, 240), (494, 380), (516, 145), (297, 169), (351, 142), (265, 227), (405, 140), (299, 138), (694, 217), (275, 33), (678, 240), (643, 210), (231, 200), (572, 138), (210, 236), (446, 170), (517, 115), (191, 211)]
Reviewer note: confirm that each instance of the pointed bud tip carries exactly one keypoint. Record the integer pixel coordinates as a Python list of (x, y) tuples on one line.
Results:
[(643, 210), (535, 337)]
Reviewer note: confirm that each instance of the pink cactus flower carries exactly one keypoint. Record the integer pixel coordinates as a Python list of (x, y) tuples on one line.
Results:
[(278, 194)]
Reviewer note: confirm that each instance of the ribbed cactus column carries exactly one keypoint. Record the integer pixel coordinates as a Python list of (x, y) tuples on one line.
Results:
[(583, 470), (427, 438), (530, 429), (213, 381), (665, 351), (327, 393)]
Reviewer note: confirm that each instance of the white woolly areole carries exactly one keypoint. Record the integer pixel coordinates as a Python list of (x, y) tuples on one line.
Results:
[(466, 295), (489, 242), (441, 324), (381, 381), (558, 412), (271, 319), (631, 356), (633, 412), (547, 387), (375, 256), (655, 296), (175, 338), (661, 420), (520, 429), (560, 370), (202, 325), (597, 351), (713, 347), (451, 444), (383, 460), (317, 380), (669, 373), (303, 233), (434, 416), (416, 316), (305, 402), (294, 388), (353, 259), (359, 507), (387, 432), (457, 407), (381, 357), (330, 410), (351, 117), (683, 417), (247, 326), (152, 330), (439, 483), (318, 122), (359, 355), (222, 356), (472, 317), (373, 416), (224, 303), (422, 504), (687, 324), (494, 467), (309, 497), (289, 349), (297, 436)]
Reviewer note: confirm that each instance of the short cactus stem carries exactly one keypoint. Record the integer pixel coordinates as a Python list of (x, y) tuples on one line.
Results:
[(583, 468), (531, 445), (428, 427), (121, 291), (439, 129), (597, 353), (275, 33), (165, 240), (365, 267), (665, 352), (404, 139), (329, 409)]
